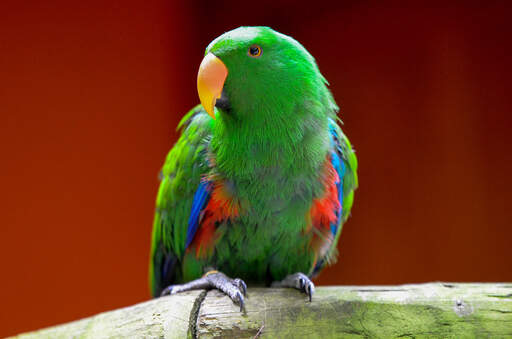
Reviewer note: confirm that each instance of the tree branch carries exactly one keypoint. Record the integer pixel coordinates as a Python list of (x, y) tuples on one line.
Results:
[(425, 310)]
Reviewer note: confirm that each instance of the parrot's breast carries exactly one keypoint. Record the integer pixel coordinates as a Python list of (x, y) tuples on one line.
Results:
[(259, 231), (257, 222)]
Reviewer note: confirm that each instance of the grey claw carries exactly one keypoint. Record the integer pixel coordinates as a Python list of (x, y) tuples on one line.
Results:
[(299, 281), (244, 286), (241, 285), (302, 282), (240, 298), (167, 291), (310, 289)]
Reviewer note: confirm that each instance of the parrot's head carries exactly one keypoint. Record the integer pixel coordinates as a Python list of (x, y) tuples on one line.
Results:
[(257, 74)]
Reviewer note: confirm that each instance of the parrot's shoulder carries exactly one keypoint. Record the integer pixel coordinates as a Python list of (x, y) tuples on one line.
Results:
[(196, 116), (189, 152), (186, 162)]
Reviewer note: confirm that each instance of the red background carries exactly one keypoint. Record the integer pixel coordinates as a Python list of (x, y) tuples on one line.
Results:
[(91, 92)]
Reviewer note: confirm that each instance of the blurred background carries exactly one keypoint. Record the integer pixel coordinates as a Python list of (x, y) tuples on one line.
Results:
[(91, 93)]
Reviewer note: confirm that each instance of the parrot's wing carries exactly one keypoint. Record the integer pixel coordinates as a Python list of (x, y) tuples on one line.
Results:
[(182, 195), (343, 160), (349, 181)]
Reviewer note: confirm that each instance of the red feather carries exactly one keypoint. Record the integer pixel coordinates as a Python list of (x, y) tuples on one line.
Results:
[(222, 206), (323, 212)]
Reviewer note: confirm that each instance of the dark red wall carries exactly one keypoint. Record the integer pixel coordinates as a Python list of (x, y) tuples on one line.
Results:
[(91, 92)]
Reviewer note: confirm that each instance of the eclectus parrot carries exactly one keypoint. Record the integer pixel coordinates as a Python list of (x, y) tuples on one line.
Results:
[(260, 182)]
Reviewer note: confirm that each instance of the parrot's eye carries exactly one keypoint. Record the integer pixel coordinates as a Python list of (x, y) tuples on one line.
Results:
[(254, 51)]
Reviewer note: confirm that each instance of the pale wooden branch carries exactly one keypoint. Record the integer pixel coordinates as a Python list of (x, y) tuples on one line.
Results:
[(440, 310)]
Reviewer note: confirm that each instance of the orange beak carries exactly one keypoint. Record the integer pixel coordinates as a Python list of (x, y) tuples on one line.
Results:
[(210, 81)]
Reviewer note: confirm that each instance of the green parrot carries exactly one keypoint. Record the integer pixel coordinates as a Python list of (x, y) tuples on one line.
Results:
[(262, 178)]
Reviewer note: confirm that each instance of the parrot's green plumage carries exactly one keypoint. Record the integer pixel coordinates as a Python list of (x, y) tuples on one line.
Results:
[(261, 191)]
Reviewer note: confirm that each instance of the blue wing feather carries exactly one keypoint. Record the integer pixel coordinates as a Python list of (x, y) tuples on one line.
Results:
[(339, 166), (201, 198)]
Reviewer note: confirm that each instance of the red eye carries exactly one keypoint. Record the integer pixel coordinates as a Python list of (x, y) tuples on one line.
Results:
[(254, 51)]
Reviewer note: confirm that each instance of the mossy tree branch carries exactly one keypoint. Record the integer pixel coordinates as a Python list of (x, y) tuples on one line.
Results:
[(409, 311)]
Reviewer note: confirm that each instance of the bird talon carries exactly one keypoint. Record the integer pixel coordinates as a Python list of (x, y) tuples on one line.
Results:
[(310, 289), (244, 287), (240, 299), (302, 284), (241, 285), (299, 281), (167, 291)]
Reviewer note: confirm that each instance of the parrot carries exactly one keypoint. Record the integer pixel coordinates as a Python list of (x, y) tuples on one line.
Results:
[(262, 178)]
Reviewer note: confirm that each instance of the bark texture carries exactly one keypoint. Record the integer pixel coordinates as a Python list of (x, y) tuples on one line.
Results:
[(439, 310)]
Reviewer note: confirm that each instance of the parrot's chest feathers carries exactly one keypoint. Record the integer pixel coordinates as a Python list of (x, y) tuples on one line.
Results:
[(272, 183), (271, 173)]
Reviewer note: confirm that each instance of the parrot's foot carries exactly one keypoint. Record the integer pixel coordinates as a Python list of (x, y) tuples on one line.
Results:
[(236, 289), (299, 281)]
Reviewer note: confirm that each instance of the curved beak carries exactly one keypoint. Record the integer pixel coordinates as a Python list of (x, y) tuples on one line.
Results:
[(210, 81)]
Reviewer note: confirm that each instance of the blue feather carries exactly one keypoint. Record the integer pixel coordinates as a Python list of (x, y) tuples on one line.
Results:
[(201, 198), (340, 168)]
